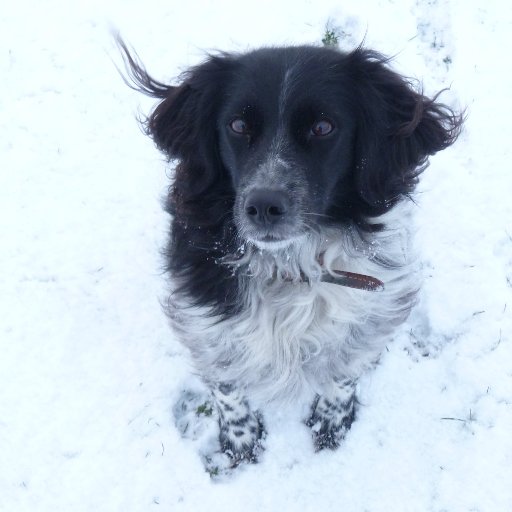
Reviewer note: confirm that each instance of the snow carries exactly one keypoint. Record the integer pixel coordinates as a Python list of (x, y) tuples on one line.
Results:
[(89, 370)]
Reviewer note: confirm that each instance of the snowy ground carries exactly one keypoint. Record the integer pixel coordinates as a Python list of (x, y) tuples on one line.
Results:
[(89, 370)]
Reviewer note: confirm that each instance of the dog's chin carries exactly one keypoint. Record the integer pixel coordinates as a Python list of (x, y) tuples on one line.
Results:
[(270, 244)]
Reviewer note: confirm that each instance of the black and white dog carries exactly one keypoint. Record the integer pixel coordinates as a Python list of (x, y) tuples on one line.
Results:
[(289, 251)]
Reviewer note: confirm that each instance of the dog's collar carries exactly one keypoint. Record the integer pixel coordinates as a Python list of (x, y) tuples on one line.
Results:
[(350, 279), (353, 280), (344, 278)]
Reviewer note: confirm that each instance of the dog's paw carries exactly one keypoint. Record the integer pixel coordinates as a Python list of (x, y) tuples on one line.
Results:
[(192, 413), (329, 422), (326, 435), (220, 465), (227, 454), (226, 437), (242, 439)]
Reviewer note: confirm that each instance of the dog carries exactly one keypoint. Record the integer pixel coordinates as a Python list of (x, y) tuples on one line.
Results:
[(290, 250)]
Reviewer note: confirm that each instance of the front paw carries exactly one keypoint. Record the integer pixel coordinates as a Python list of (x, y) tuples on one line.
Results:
[(329, 422), (325, 434), (242, 439)]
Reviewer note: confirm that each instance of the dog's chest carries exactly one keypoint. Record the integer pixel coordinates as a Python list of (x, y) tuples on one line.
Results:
[(293, 319)]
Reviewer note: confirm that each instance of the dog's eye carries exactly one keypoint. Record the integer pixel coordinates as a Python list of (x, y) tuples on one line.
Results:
[(322, 128), (239, 126)]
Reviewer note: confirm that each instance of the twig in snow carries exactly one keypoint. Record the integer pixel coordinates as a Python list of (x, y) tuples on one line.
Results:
[(497, 344), (469, 420)]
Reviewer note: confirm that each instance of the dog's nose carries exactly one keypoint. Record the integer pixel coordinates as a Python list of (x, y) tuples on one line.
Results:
[(266, 207)]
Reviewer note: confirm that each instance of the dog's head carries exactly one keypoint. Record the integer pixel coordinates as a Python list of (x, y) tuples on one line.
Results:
[(291, 138)]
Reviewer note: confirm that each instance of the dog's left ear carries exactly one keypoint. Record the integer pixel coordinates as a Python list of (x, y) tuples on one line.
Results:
[(184, 117), (398, 129), (183, 123)]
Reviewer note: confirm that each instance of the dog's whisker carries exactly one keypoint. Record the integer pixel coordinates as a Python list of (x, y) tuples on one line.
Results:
[(312, 214)]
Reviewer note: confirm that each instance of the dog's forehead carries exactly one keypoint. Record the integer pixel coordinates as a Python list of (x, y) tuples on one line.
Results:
[(287, 72)]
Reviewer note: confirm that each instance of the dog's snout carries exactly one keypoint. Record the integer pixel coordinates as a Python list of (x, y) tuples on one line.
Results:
[(266, 207)]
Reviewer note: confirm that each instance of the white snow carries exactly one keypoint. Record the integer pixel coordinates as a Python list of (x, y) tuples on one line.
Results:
[(89, 370)]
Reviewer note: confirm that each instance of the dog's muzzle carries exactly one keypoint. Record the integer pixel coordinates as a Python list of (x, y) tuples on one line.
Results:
[(269, 218)]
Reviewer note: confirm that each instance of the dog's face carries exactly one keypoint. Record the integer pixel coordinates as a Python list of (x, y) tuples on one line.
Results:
[(286, 137), (279, 140)]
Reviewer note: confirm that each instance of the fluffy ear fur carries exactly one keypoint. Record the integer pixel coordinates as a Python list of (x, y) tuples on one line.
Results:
[(398, 128), (183, 123), (188, 112)]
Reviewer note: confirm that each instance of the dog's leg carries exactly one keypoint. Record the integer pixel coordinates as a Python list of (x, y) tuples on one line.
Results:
[(241, 429), (332, 414)]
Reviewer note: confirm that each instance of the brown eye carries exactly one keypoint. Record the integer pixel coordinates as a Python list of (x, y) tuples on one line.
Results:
[(322, 128), (239, 126)]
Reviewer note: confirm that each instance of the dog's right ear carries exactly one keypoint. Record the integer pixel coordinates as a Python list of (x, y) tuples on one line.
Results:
[(183, 123)]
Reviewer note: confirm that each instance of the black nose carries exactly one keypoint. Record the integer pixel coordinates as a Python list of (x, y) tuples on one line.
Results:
[(266, 207)]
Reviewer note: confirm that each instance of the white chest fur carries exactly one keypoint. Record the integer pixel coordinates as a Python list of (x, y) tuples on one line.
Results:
[(294, 331)]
